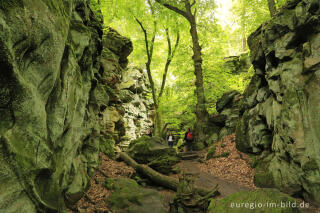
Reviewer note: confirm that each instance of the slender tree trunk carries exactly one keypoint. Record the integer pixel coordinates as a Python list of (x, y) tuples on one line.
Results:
[(149, 50), (201, 112), (272, 7), (157, 122)]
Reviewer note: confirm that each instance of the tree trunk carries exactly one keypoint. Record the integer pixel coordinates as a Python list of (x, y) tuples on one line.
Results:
[(163, 180), (157, 123), (272, 7), (201, 111)]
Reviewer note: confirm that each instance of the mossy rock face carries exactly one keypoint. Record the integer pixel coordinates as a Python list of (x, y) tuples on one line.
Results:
[(51, 96), (262, 176), (151, 151), (260, 200), (225, 100), (107, 145), (280, 107), (128, 197)]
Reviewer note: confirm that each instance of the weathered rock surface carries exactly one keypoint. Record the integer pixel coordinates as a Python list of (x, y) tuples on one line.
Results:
[(139, 110), (224, 123), (127, 113), (151, 151), (60, 101), (281, 106), (48, 128), (260, 200), (238, 64), (129, 197)]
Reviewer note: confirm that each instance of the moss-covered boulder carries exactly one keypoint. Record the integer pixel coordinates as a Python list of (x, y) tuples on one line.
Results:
[(128, 197), (152, 151), (260, 200), (262, 176)]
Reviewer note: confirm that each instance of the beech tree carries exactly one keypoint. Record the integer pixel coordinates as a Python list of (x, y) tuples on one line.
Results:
[(187, 9)]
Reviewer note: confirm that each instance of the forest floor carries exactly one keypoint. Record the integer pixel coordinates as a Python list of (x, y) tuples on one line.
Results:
[(232, 174)]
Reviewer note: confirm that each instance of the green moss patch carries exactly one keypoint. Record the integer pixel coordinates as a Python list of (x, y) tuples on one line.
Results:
[(128, 196), (257, 201), (262, 176), (211, 152)]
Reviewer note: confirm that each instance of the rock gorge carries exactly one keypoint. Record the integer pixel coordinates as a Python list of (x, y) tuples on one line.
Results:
[(65, 95)]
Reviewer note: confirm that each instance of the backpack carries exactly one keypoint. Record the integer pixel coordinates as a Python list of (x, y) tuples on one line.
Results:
[(189, 136)]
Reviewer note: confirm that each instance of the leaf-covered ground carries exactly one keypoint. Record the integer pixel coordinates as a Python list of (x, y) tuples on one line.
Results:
[(235, 168), (94, 199)]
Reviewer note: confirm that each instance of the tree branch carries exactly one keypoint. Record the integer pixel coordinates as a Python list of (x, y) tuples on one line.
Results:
[(149, 55), (145, 37), (173, 8), (176, 45), (169, 59), (193, 3)]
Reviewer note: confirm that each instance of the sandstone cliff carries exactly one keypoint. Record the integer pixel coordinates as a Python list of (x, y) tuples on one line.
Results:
[(280, 109), (60, 75)]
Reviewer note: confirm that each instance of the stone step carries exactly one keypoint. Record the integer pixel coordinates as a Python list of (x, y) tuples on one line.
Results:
[(188, 155)]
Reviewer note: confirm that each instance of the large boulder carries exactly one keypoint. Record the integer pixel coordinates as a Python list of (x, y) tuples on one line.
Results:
[(152, 151), (128, 197), (260, 200), (282, 103)]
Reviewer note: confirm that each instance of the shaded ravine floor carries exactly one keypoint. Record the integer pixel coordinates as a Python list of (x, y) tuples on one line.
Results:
[(94, 199), (209, 181)]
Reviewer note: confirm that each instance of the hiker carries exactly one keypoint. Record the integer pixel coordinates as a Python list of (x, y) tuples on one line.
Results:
[(188, 137), (170, 140), (150, 133)]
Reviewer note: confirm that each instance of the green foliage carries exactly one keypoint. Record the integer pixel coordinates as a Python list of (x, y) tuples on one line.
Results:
[(177, 105)]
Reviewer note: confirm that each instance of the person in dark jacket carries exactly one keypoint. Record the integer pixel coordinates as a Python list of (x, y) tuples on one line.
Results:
[(188, 138), (170, 140)]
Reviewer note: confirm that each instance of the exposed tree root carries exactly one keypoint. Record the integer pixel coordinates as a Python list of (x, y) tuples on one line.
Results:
[(163, 180)]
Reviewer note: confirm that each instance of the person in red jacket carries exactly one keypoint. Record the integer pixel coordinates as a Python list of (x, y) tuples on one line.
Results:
[(188, 137)]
